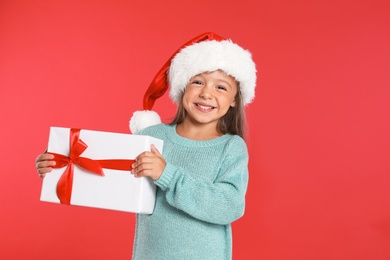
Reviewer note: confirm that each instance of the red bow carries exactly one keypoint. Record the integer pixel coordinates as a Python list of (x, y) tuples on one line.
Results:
[(77, 147)]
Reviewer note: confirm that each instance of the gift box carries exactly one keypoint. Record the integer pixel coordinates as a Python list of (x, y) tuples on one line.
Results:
[(93, 170)]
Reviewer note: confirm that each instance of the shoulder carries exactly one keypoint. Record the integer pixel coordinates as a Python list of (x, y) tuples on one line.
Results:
[(154, 130), (235, 146), (236, 141)]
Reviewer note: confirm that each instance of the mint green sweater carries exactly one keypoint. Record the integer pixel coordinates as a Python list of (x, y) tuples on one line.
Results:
[(199, 194)]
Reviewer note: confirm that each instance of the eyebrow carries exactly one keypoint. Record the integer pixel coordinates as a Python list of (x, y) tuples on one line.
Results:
[(226, 82)]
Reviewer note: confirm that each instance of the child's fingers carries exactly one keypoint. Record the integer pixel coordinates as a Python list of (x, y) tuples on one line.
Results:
[(146, 166), (44, 170), (144, 159), (149, 164), (141, 169), (44, 164), (155, 150), (44, 157), (143, 163), (139, 163)]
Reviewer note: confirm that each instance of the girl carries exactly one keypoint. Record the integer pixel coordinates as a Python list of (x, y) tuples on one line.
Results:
[(202, 174)]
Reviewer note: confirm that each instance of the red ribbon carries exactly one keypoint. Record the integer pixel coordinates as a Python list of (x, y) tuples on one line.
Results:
[(77, 147)]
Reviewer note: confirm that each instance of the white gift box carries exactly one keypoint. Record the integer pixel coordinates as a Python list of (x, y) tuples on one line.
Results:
[(117, 189)]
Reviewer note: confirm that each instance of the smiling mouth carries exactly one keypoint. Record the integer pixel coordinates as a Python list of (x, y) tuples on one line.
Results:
[(204, 107)]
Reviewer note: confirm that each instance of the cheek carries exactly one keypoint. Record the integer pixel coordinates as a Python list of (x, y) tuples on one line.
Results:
[(226, 106), (186, 100), (189, 91), (185, 97), (190, 94)]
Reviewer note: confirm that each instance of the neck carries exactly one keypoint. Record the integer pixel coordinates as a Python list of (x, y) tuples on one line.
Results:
[(198, 131)]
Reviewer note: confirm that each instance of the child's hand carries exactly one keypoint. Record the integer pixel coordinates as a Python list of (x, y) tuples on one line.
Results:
[(150, 164), (44, 163)]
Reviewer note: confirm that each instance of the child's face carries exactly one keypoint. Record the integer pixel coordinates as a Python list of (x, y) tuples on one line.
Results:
[(208, 97)]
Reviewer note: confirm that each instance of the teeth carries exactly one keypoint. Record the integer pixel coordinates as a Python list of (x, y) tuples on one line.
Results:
[(204, 107)]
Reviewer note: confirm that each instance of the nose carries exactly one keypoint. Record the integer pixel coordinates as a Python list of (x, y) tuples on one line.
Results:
[(205, 93)]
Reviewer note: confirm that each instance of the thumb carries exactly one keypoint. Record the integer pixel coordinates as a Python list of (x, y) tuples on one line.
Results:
[(154, 150)]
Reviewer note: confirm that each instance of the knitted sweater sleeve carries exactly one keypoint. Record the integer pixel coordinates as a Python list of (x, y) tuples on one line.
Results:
[(219, 202)]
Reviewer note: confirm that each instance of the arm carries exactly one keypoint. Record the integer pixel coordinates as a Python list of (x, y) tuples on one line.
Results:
[(219, 202)]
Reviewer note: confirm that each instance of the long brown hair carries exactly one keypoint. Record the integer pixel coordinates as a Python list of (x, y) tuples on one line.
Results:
[(233, 122)]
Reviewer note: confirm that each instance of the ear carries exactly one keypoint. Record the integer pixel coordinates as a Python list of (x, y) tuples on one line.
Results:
[(238, 94), (233, 104)]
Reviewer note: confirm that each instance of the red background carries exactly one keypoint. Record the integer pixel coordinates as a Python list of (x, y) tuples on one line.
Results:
[(319, 126)]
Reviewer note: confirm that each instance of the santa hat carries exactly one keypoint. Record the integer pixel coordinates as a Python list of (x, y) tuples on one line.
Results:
[(205, 53)]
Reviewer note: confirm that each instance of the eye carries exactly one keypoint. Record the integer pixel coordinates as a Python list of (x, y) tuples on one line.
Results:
[(196, 82), (220, 87)]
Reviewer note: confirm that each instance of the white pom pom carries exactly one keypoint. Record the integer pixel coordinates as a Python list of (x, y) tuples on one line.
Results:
[(142, 119)]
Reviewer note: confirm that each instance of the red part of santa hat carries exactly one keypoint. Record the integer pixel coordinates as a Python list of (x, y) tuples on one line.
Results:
[(204, 53), (159, 85)]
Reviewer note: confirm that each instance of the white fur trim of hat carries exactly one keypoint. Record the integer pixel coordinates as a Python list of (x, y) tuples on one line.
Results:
[(208, 56)]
